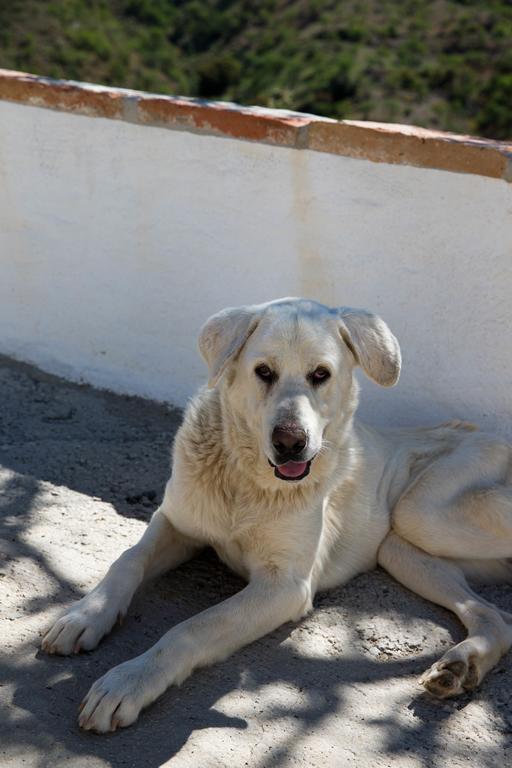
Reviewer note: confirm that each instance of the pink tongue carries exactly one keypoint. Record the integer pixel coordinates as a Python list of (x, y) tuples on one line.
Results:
[(293, 468)]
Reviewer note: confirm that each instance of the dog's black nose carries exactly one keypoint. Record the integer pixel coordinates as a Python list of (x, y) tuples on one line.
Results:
[(288, 440)]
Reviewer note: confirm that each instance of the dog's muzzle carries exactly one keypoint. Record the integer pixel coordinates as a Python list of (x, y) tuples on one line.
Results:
[(289, 442)]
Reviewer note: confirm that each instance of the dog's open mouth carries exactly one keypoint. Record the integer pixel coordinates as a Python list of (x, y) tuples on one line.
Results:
[(292, 470)]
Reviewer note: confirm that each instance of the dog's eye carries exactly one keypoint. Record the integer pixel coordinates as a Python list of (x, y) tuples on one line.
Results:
[(264, 373), (319, 375)]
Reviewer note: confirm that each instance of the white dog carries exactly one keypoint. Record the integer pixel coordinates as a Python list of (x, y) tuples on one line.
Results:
[(273, 471)]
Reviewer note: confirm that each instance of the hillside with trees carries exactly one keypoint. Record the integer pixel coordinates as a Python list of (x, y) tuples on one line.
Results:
[(443, 64)]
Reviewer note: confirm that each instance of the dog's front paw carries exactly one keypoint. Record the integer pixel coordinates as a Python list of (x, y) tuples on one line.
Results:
[(115, 700), (81, 627)]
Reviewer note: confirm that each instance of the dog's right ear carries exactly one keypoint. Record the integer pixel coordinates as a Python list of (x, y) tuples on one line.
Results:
[(373, 345), (222, 337)]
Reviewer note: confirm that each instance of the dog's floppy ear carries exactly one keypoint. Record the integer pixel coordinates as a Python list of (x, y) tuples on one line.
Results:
[(373, 345), (223, 335)]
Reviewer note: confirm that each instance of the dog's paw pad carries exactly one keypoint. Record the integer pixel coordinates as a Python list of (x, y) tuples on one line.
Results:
[(450, 678)]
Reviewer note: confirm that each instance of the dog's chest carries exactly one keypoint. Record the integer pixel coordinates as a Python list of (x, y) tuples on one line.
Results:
[(219, 518), (245, 531)]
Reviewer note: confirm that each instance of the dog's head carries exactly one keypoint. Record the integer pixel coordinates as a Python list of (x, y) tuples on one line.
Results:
[(285, 369)]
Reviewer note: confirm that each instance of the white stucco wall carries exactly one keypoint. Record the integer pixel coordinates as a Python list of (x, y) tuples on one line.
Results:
[(118, 240)]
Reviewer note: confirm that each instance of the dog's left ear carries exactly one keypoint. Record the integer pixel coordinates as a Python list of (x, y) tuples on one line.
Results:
[(373, 345), (223, 335)]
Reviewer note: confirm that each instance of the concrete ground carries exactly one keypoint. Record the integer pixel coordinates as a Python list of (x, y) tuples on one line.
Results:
[(80, 473)]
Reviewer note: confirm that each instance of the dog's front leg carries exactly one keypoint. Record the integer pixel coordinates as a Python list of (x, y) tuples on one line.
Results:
[(83, 625), (116, 699)]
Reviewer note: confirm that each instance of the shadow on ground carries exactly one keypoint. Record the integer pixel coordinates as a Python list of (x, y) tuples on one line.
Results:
[(110, 446), (337, 689)]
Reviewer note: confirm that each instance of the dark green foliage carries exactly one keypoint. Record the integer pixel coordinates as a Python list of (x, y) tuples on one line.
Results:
[(217, 74), (438, 63)]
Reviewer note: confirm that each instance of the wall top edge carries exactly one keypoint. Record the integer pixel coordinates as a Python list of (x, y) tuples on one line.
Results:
[(378, 142)]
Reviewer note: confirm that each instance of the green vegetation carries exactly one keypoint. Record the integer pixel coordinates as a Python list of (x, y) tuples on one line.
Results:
[(441, 64)]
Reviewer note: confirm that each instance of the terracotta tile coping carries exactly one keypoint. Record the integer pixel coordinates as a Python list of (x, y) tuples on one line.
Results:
[(378, 142)]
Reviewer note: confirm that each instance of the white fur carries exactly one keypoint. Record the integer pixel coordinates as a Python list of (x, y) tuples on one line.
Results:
[(429, 505)]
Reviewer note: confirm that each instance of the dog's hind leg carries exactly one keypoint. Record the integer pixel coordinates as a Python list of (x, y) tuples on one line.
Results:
[(461, 505), (83, 625), (465, 665)]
